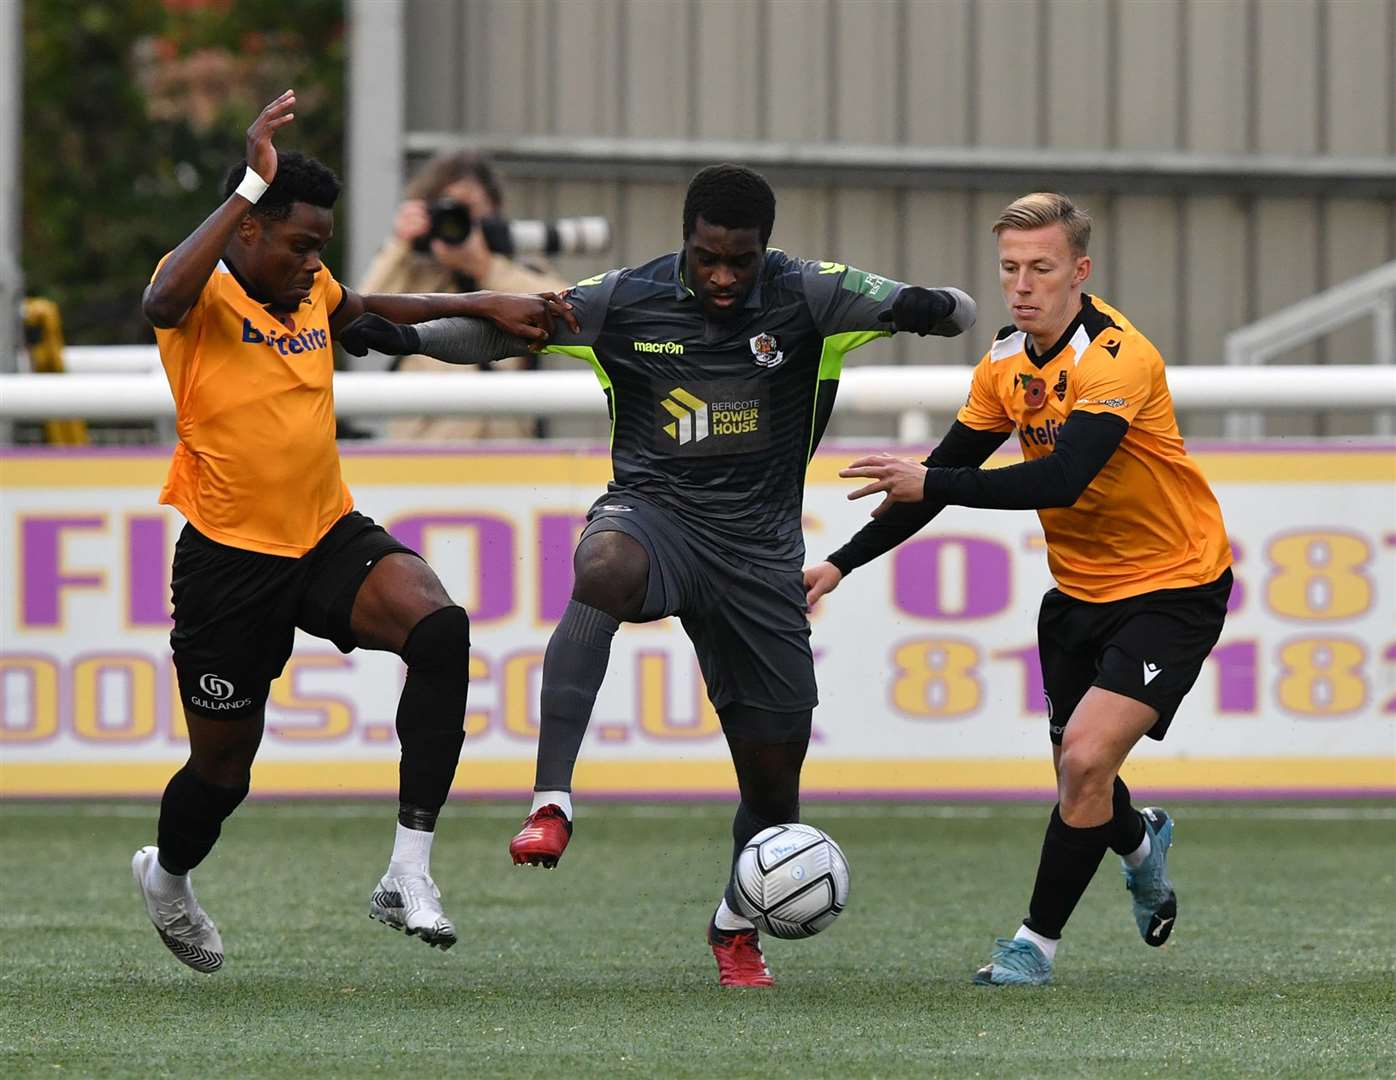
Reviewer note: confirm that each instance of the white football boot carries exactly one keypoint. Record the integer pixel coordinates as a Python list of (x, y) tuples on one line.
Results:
[(412, 902), (179, 920)]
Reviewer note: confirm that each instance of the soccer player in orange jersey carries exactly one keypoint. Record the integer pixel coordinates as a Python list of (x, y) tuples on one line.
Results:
[(245, 313), (1135, 542)]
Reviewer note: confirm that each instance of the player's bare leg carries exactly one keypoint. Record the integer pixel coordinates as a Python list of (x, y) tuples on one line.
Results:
[(1092, 815), (196, 802), (402, 607), (612, 574), (1111, 725)]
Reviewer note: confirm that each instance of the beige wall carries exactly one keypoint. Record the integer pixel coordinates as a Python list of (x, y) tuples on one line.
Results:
[(1300, 77)]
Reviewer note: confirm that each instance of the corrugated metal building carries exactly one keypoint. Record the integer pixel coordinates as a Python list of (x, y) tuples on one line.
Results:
[(1150, 101)]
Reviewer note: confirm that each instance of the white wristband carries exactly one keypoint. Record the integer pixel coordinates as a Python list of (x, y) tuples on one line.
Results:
[(252, 186)]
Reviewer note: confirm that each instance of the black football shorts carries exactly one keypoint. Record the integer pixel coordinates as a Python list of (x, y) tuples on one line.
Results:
[(1149, 647), (236, 611), (748, 624)]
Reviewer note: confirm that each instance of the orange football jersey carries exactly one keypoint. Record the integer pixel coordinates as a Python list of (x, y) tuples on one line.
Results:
[(1148, 520), (256, 466)]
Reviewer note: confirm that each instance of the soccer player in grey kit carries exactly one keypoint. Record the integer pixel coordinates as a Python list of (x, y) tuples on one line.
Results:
[(720, 363)]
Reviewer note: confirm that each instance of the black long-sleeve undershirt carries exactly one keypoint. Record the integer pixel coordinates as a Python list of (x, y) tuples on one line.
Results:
[(953, 478), (962, 446), (1084, 444)]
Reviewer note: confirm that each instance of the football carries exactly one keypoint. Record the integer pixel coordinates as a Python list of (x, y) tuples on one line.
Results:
[(791, 880)]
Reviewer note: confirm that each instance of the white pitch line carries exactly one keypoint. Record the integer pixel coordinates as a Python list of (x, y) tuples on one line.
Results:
[(464, 811)]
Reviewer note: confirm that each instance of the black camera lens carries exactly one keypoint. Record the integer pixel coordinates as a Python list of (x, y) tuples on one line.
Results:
[(450, 223)]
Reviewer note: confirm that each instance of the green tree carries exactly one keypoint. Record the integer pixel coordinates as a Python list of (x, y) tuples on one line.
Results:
[(133, 112)]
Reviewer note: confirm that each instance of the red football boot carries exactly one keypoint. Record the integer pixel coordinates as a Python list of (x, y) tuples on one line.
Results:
[(740, 961), (543, 838)]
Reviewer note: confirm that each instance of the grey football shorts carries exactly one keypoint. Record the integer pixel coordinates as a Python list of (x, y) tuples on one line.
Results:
[(748, 623)]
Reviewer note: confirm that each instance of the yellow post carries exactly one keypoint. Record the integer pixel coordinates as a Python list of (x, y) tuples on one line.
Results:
[(43, 331)]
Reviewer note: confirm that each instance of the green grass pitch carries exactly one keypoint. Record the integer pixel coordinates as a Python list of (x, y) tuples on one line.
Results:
[(1282, 963)]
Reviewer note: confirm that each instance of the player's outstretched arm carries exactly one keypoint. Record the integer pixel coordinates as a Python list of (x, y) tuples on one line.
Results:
[(456, 341), (530, 317), (184, 274), (1082, 448), (843, 299), (944, 312), (962, 446), (574, 318), (1084, 444)]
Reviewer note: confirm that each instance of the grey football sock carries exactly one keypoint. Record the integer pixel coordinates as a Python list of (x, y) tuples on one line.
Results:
[(573, 668)]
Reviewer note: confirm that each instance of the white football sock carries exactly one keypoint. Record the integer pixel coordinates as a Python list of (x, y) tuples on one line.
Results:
[(1136, 857), (411, 851), (561, 799), (164, 884), (727, 919), (1046, 944)]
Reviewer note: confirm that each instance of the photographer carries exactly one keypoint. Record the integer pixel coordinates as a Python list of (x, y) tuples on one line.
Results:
[(412, 260)]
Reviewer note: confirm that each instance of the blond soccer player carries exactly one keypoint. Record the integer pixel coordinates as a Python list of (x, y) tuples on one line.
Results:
[(1135, 543)]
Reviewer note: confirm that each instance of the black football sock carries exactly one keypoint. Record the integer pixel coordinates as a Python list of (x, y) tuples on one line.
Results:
[(431, 714), (192, 812), (1069, 860), (745, 825), (573, 668), (768, 775), (1127, 826)]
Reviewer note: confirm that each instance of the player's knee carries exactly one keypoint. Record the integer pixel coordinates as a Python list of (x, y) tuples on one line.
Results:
[(1085, 775), (440, 641), (612, 574), (228, 768)]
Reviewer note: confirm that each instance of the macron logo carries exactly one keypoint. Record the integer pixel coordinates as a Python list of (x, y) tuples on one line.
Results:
[(285, 344), (670, 348), (1151, 672)]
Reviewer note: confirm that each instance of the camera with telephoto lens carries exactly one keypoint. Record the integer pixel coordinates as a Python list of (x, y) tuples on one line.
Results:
[(451, 223)]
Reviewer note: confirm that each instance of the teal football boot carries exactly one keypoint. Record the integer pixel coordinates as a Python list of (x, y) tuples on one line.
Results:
[(1015, 962), (1155, 902)]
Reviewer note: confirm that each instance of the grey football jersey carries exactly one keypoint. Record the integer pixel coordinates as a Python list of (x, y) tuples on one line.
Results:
[(715, 421)]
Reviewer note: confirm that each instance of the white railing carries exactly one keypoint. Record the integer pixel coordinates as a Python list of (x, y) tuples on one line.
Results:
[(908, 393), (110, 359), (1372, 293)]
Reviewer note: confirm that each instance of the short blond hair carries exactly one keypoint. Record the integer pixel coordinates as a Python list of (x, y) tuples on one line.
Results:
[(1043, 208)]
